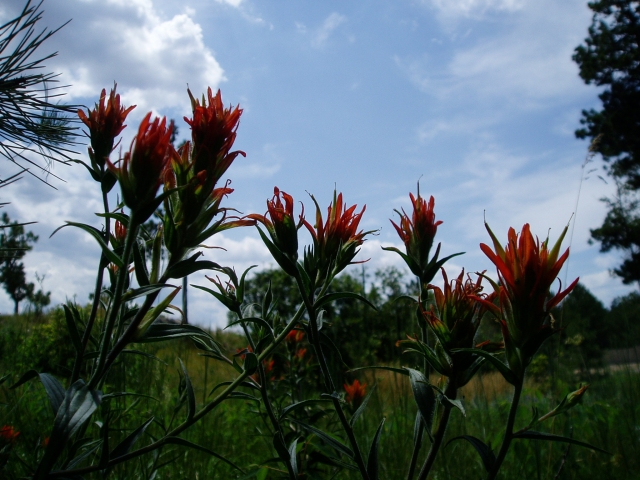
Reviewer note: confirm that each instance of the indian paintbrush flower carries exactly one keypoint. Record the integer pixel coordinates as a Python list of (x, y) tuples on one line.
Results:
[(355, 393), (8, 433), (335, 241), (282, 229), (105, 122), (213, 131), (526, 270), (454, 317), (141, 171), (417, 233), (195, 169)]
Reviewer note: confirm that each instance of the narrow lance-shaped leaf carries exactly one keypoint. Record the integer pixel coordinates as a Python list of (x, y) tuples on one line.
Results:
[(424, 397), (484, 450), (372, 461)]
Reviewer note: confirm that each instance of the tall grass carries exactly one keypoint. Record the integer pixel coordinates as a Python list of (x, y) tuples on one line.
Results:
[(609, 417)]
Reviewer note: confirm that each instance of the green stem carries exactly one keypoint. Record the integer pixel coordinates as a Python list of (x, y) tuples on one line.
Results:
[(112, 314), (187, 423), (451, 393), (508, 434), (102, 264), (329, 384)]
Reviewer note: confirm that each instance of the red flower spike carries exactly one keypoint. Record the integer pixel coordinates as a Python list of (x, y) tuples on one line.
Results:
[(455, 317), (105, 122), (336, 242), (417, 232), (355, 393), (213, 131), (527, 269), (8, 433), (280, 223), (294, 336), (142, 170)]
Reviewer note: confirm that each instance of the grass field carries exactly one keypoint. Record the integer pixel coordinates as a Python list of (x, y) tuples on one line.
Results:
[(609, 417)]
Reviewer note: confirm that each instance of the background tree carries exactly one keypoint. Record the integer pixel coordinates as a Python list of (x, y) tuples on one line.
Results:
[(610, 58), (14, 244)]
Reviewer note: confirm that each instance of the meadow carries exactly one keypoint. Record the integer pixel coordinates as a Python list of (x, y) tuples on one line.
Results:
[(608, 417)]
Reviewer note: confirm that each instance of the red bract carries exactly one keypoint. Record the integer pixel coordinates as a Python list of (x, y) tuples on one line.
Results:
[(526, 269), (336, 242), (141, 171), (355, 393), (294, 336), (417, 232), (213, 131), (8, 433), (280, 222), (105, 122)]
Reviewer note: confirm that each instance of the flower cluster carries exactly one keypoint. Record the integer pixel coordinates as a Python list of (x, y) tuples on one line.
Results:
[(355, 393), (526, 269), (105, 122), (336, 241), (417, 233)]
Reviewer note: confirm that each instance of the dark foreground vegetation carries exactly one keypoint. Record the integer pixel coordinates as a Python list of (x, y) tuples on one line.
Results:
[(595, 348)]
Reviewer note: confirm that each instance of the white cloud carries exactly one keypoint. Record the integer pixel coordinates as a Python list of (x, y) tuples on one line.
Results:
[(233, 3), (152, 58), (330, 24), (466, 8)]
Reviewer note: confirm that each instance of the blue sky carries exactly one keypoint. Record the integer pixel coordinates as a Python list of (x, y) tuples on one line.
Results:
[(478, 99)]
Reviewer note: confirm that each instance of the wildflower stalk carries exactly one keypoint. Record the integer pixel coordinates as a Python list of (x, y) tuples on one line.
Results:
[(102, 264), (265, 396), (328, 380), (450, 392), (112, 314), (196, 417), (508, 433)]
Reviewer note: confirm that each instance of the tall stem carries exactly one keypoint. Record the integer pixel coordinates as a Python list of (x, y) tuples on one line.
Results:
[(328, 380), (451, 393), (112, 314), (508, 434), (102, 264)]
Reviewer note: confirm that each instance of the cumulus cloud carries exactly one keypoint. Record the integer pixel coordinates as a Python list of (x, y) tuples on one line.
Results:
[(152, 57)]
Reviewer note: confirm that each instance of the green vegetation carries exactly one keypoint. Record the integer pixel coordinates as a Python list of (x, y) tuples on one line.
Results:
[(239, 430)]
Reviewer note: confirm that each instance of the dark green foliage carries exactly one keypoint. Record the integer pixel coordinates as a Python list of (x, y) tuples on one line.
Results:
[(31, 118), (610, 58), (14, 244)]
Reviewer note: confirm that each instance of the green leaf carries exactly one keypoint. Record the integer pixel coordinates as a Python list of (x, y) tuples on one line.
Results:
[(191, 397), (424, 397), (99, 237), (401, 371), (532, 435), (55, 390), (230, 303), (429, 355), (293, 457), (160, 332), (281, 449), (250, 363), (328, 439), (123, 218), (454, 403), (506, 372), (125, 445), (188, 444), (290, 408), (258, 321), (70, 315), (266, 301), (140, 265), (372, 461), (484, 450), (189, 266), (144, 291), (78, 405), (362, 406), (418, 425)]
